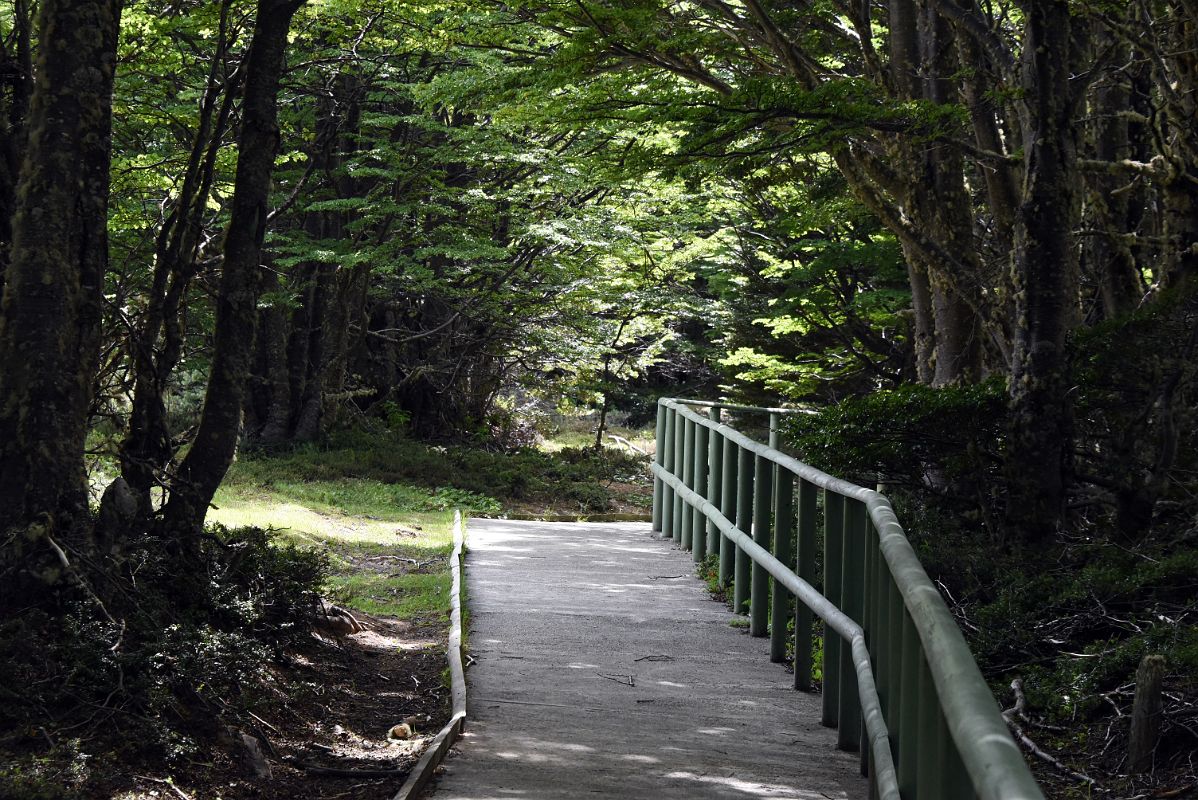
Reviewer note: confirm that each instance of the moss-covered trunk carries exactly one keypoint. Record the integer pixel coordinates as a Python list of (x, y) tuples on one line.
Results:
[(1044, 275), (49, 333)]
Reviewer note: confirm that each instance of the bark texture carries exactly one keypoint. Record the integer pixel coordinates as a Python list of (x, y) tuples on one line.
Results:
[(49, 333), (1044, 275), (201, 472)]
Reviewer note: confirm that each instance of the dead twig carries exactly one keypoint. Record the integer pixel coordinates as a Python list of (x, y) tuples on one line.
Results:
[(168, 783), (263, 722), (1026, 741), (626, 680)]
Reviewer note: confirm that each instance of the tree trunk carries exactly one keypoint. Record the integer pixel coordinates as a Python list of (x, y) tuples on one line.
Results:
[(1108, 258), (275, 409), (157, 344), (18, 75), (50, 330), (202, 470), (1181, 189), (1044, 275), (1145, 715)]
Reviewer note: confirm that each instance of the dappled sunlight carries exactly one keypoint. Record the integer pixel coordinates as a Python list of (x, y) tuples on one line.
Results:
[(749, 788), (305, 525), (603, 670), (606, 768), (640, 759)]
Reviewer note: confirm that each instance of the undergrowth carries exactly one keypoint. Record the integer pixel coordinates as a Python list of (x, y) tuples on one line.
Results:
[(163, 665), (1071, 617)]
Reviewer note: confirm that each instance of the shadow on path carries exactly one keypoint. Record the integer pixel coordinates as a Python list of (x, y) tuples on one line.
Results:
[(602, 669)]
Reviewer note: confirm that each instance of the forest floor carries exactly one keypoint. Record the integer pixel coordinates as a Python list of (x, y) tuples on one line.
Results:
[(343, 715), (381, 514), (324, 732)]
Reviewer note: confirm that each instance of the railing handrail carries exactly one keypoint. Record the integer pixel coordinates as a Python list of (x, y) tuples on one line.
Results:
[(992, 760), (738, 407), (836, 619)]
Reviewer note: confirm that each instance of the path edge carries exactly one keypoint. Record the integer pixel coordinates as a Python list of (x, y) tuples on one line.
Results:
[(434, 754)]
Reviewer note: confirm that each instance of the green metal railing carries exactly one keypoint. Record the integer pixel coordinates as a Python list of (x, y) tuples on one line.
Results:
[(899, 682)]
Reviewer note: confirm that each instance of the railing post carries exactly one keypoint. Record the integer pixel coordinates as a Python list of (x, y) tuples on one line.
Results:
[(784, 520), (667, 493), (763, 502), (852, 603), (871, 627), (744, 522), (805, 567), (895, 613), (688, 479), (699, 481), (931, 775), (658, 458), (679, 444), (908, 712), (775, 430), (729, 481), (833, 552), (715, 476)]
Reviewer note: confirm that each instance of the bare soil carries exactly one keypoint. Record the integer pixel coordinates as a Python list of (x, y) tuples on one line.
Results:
[(325, 735)]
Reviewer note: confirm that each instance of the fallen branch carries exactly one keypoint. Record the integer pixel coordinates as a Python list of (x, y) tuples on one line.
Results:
[(1025, 740), (626, 443), (339, 772), (626, 680), (166, 782)]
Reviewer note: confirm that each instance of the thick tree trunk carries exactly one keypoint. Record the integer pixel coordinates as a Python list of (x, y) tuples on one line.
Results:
[(1181, 189), (1044, 275), (922, 324), (17, 71), (347, 322), (202, 470), (50, 331)]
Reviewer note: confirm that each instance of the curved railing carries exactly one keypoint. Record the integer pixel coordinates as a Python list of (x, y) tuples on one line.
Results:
[(906, 691)]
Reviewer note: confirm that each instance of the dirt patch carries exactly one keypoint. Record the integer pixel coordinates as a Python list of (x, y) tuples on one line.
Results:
[(326, 733)]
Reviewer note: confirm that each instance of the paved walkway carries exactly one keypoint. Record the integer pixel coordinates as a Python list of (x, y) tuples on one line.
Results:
[(603, 669)]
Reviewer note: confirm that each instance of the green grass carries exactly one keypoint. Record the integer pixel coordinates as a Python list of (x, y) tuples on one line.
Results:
[(380, 505), (414, 596), (369, 473), (387, 544)]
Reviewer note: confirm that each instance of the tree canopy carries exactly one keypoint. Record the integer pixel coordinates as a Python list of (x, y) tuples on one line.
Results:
[(241, 224)]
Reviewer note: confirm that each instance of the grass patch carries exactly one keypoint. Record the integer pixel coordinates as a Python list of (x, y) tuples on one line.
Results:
[(412, 596), (380, 505), (388, 545), (384, 474)]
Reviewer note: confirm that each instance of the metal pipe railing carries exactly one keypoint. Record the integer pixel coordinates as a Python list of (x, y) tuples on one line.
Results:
[(900, 684)]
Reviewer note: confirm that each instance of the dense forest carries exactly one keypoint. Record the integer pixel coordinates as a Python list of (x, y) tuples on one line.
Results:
[(964, 232)]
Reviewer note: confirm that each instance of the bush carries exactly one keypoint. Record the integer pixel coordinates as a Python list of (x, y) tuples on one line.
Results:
[(945, 443)]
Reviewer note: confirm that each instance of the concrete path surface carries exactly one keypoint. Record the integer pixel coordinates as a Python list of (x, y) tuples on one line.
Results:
[(603, 669)]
